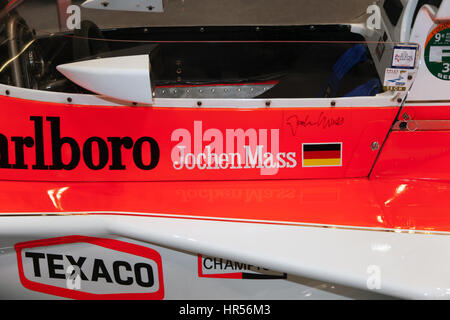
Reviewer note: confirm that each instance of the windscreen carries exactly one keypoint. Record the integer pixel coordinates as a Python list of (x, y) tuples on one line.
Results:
[(197, 48)]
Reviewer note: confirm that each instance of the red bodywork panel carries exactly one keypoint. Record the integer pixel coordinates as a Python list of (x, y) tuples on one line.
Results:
[(415, 155), (418, 154), (147, 141), (338, 196)]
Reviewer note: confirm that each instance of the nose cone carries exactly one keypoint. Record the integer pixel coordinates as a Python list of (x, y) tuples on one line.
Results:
[(124, 78)]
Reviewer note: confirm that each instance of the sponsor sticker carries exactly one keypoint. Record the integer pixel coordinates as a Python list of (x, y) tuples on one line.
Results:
[(93, 153), (404, 57), (211, 267), (236, 148), (437, 52), (79, 267), (322, 154), (395, 79)]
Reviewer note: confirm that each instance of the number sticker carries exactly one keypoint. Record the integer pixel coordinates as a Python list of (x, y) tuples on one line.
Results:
[(446, 67), (437, 52)]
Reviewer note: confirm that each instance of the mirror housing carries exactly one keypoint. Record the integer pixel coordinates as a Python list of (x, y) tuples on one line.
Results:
[(125, 78)]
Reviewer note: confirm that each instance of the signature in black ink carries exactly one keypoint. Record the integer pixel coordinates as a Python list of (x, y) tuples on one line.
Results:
[(324, 122)]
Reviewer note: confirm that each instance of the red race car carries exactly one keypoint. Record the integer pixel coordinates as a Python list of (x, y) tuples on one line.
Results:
[(154, 149)]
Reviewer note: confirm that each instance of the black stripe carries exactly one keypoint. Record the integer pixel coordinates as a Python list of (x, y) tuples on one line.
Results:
[(322, 147), (247, 275)]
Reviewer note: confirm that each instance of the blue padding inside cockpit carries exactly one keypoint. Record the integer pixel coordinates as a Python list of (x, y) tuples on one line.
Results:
[(346, 62), (370, 88)]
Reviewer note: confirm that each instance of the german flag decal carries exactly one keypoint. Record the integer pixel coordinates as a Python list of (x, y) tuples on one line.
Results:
[(322, 154)]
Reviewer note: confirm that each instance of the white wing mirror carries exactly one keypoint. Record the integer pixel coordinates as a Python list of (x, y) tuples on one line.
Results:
[(123, 78)]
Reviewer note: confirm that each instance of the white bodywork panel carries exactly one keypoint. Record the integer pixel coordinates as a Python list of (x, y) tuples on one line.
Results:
[(401, 32), (425, 80), (444, 11), (181, 279), (387, 98), (348, 257)]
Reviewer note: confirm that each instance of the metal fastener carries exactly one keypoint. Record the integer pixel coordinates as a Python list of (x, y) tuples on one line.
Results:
[(403, 125), (375, 145)]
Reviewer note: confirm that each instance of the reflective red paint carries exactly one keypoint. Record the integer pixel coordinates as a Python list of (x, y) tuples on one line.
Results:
[(376, 203), (417, 154)]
